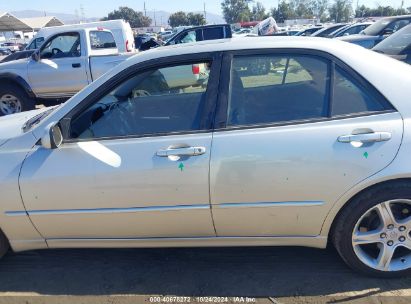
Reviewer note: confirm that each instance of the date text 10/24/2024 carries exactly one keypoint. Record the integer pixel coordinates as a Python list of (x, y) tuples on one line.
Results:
[(175, 299)]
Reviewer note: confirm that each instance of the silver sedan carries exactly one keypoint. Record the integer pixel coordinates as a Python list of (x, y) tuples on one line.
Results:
[(279, 142)]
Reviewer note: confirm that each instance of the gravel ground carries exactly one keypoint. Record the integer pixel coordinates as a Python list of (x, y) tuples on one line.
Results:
[(264, 275)]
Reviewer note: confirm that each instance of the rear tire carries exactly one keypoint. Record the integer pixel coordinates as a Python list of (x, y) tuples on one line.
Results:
[(13, 99), (4, 244), (372, 233)]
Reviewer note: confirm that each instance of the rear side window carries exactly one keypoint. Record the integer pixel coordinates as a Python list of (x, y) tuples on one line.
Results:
[(213, 33), (351, 97), (277, 88), (102, 40), (267, 89)]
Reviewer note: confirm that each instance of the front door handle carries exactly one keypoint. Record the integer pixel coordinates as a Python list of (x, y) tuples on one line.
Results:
[(188, 151), (76, 65), (365, 138)]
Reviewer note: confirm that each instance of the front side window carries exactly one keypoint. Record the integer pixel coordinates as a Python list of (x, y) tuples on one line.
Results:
[(158, 101), (102, 40), (62, 46), (277, 88)]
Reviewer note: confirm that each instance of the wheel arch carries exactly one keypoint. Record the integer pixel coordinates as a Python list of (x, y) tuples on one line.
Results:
[(19, 81), (332, 217)]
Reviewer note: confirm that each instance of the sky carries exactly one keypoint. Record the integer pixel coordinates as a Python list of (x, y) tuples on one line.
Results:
[(100, 8)]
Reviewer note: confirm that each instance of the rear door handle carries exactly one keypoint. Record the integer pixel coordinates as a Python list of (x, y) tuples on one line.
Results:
[(76, 65), (189, 151), (365, 138)]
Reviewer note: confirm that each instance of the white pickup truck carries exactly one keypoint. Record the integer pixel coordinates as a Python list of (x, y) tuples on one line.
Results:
[(67, 62)]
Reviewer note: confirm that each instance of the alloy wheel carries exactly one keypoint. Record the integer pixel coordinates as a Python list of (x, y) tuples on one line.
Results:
[(382, 236)]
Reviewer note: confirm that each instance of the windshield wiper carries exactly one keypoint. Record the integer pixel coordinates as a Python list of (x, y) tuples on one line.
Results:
[(36, 119)]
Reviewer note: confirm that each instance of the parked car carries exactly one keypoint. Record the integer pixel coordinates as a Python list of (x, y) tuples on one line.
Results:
[(309, 31), (201, 33), (123, 34), (17, 55), (12, 46), (398, 45), (328, 30), (4, 52), (66, 62), (350, 29), (377, 32), (246, 159), (140, 39), (165, 35)]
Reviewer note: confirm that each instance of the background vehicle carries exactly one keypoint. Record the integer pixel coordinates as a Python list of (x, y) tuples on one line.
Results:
[(201, 33), (12, 46), (4, 51), (350, 29), (122, 32), (67, 62), (241, 151), (17, 55), (398, 45), (328, 30), (309, 31), (377, 32)]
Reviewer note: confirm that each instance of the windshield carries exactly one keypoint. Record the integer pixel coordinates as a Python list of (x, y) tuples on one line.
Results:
[(389, 25), (376, 28), (395, 44)]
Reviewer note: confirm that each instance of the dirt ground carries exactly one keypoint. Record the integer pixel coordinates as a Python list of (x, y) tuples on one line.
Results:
[(264, 275)]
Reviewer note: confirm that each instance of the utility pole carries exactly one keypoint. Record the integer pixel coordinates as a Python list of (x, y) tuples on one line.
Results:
[(145, 11), (155, 21), (205, 12)]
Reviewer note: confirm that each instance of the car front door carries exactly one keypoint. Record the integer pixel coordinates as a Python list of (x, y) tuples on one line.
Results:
[(136, 161), (295, 132), (61, 70)]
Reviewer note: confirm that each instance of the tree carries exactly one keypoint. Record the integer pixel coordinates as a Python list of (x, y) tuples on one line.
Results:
[(178, 19), (196, 19), (258, 12), (283, 12), (341, 11), (136, 19), (319, 8), (183, 19), (235, 11)]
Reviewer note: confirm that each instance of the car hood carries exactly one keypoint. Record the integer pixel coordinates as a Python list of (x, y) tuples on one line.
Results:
[(14, 64), (358, 37), (11, 126)]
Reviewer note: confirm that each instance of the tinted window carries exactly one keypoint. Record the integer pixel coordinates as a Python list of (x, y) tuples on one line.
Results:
[(164, 100), (62, 46), (102, 40), (213, 33), (269, 89), (350, 97)]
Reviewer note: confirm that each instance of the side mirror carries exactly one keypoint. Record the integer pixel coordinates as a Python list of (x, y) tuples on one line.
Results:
[(388, 32), (53, 137), (36, 55)]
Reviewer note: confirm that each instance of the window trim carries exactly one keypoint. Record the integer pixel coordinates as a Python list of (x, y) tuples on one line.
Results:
[(207, 115), (220, 123)]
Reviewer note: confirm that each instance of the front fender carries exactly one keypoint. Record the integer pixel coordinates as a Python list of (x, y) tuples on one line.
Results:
[(20, 81)]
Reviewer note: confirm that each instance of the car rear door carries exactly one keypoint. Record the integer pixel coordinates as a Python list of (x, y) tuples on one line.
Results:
[(295, 131), (136, 162)]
